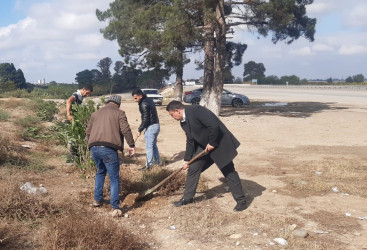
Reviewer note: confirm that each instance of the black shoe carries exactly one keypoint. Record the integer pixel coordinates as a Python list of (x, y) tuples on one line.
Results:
[(240, 207), (182, 202)]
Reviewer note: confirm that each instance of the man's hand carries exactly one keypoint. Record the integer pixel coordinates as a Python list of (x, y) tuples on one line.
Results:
[(131, 151), (209, 148), (70, 118), (185, 165)]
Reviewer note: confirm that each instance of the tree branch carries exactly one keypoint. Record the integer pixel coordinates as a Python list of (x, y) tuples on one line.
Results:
[(246, 23)]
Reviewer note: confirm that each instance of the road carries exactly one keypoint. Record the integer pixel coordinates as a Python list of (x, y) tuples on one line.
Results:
[(340, 95)]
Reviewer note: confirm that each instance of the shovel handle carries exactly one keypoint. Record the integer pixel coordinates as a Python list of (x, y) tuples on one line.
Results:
[(173, 174)]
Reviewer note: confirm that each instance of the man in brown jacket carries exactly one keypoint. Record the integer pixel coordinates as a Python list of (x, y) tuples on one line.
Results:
[(106, 130)]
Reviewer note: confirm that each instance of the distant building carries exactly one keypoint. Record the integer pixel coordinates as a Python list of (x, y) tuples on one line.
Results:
[(41, 82)]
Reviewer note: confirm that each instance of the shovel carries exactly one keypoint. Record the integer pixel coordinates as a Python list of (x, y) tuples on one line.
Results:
[(132, 198)]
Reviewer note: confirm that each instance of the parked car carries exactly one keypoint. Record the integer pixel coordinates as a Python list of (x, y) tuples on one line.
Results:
[(154, 94), (228, 98)]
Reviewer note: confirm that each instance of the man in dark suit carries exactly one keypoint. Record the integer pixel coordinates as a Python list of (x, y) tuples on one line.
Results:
[(204, 131)]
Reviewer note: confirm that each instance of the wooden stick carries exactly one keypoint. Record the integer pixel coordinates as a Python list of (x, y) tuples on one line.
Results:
[(171, 175)]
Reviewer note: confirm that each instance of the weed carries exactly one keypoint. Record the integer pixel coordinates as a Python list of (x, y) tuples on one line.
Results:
[(12, 103), (17, 204), (4, 116), (45, 110), (74, 134), (28, 121), (11, 154), (348, 175), (84, 230), (18, 93)]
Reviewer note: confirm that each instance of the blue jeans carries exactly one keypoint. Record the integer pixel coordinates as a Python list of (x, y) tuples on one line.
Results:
[(107, 161), (150, 135)]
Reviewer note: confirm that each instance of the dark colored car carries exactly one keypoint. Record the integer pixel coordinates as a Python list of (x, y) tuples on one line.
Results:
[(228, 98)]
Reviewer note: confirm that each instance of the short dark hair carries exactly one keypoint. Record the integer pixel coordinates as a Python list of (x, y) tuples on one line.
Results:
[(173, 105), (137, 92), (88, 87)]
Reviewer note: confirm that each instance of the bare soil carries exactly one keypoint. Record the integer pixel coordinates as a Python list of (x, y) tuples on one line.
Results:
[(289, 160)]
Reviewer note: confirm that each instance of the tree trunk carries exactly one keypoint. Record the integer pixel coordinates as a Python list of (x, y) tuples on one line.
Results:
[(220, 55), (207, 99), (178, 85)]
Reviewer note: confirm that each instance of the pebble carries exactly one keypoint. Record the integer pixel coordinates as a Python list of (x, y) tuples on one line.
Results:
[(357, 234), (274, 191), (281, 241), (235, 236), (142, 226), (297, 208), (348, 214), (173, 227), (335, 189), (292, 227), (301, 233), (318, 172), (126, 215), (238, 243)]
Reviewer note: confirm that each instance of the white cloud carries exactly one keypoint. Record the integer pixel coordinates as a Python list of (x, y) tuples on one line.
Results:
[(352, 50), (357, 16), (322, 47), (57, 39), (304, 51)]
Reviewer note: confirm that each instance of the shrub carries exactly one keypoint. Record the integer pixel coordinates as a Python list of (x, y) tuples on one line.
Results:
[(18, 93), (45, 110), (11, 154), (4, 116), (19, 205), (75, 133), (85, 230)]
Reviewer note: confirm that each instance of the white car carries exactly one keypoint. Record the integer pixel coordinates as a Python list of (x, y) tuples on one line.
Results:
[(154, 94)]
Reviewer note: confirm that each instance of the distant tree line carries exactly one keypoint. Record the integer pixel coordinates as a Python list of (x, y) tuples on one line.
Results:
[(123, 78), (253, 70)]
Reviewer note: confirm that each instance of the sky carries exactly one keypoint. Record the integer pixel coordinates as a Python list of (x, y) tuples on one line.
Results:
[(55, 39)]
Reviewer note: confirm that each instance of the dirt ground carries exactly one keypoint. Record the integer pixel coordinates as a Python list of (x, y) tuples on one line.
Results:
[(286, 163)]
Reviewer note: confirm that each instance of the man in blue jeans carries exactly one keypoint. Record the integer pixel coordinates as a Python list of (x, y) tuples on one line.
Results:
[(106, 131), (149, 122)]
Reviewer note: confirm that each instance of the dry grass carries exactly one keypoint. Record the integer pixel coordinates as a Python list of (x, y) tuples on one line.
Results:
[(12, 103), (132, 183), (83, 230), (11, 154), (19, 205), (206, 223), (338, 223), (349, 176)]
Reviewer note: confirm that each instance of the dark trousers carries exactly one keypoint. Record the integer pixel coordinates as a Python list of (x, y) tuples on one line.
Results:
[(228, 171)]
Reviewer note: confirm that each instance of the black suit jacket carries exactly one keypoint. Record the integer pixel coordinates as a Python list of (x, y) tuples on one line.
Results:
[(202, 127)]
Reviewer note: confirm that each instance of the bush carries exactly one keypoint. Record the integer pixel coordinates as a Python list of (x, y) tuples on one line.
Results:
[(85, 230), (19, 205), (4, 116), (45, 110), (11, 154), (75, 132), (18, 93)]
